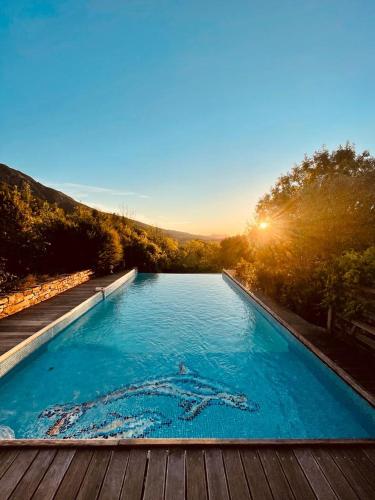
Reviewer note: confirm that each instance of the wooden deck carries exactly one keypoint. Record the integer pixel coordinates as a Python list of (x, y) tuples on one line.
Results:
[(18, 327), (194, 473)]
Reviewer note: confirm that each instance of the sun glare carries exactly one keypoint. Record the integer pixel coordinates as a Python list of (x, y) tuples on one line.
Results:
[(264, 225)]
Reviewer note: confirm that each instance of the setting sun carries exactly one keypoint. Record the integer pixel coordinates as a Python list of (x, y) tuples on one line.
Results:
[(264, 225)]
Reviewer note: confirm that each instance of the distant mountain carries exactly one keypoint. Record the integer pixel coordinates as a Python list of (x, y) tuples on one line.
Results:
[(14, 177), (183, 236)]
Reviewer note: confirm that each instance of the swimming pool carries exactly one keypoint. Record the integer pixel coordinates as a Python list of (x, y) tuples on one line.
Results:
[(178, 356)]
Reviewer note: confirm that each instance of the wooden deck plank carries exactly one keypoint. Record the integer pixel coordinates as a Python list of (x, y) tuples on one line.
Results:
[(56, 471), (216, 478), (6, 458), (18, 327), (196, 487), (235, 473), (134, 477), (256, 478), (30, 481), (334, 475), (275, 475), (314, 474), (9, 321), (73, 477), (8, 344), (94, 476), (16, 471), (112, 484), (8, 335), (363, 464), (370, 453), (155, 479), (357, 481), (294, 474), (175, 477)]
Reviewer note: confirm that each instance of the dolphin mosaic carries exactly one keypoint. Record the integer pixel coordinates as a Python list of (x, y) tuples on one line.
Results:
[(193, 392), (116, 425)]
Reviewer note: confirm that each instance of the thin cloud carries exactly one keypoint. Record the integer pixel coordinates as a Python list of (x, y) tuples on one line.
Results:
[(104, 208), (85, 190)]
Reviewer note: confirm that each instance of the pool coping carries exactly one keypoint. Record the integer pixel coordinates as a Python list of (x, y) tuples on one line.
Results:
[(16, 354), (309, 345), (154, 442)]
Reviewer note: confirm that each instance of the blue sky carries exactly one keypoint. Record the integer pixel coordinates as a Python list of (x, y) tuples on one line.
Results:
[(181, 113)]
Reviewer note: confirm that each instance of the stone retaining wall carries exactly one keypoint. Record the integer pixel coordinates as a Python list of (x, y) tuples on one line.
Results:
[(16, 301)]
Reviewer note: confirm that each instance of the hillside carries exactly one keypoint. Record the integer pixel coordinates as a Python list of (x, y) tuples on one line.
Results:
[(16, 178)]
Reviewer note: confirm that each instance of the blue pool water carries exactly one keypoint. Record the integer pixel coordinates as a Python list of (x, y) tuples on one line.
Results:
[(185, 356)]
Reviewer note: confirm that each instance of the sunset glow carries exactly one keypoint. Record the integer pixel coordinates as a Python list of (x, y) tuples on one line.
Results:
[(193, 129)]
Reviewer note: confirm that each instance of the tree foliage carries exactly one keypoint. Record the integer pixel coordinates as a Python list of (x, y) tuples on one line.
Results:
[(317, 246), (39, 238)]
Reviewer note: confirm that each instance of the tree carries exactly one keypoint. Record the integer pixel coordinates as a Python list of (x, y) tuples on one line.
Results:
[(233, 249), (309, 224), (20, 242), (111, 252), (197, 256)]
